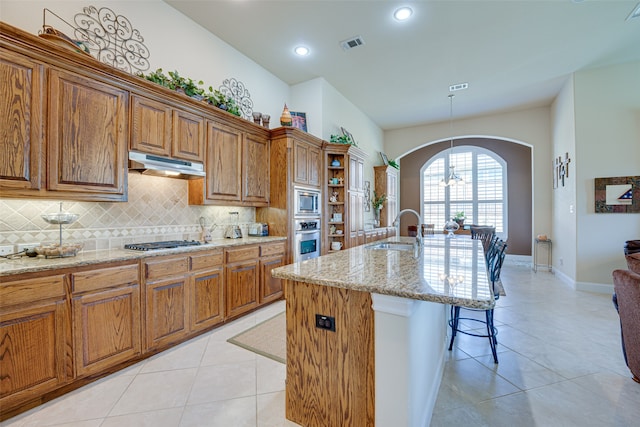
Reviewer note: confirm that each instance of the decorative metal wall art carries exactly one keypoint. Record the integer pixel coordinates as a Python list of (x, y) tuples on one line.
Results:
[(561, 170), (112, 39), (617, 195), (239, 93)]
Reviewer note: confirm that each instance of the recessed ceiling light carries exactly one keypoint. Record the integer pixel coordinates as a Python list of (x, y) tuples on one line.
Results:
[(403, 13), (301, 50)]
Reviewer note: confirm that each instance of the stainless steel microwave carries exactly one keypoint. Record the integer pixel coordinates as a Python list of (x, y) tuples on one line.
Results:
[(307, 202)]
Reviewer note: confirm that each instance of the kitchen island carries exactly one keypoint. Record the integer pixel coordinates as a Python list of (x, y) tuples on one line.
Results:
[(366, 329)]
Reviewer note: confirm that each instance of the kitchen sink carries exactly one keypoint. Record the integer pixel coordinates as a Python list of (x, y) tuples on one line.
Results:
[(394, 246)]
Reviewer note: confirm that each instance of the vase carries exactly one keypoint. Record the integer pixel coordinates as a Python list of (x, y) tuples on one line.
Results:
[(285, 118), (376, 216), (451, 227)]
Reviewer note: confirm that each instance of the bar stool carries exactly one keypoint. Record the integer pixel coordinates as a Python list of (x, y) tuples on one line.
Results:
[(498, 252), (484, 233)]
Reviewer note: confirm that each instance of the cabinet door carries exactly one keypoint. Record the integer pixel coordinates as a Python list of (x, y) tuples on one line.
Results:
[(21, 121), (34, 337), (314, 165), (224, 168), (166, 312), (255, 170), (207, 304), (270, 287), (188, 136), (150, 126), (241, 290), (87, 136), (106, 328), (356, 219), (300, 162)]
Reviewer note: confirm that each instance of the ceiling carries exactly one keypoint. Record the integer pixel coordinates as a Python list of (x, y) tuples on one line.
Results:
[(513, 53)]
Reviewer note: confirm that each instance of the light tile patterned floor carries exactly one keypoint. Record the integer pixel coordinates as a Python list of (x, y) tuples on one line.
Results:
[(560, 365)]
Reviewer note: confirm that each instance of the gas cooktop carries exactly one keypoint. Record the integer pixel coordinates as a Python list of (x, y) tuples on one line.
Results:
[(161, 245)]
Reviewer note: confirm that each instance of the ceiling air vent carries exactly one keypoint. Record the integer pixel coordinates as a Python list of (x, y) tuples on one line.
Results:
[(352, 42)]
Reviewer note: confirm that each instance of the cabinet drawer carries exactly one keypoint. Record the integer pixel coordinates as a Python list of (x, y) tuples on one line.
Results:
[(241, 254), (30, 290), (206, 260), (165, 267), (272, 249), (104, 278)]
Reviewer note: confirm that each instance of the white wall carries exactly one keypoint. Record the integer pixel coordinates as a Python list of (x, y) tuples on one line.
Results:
[(338, 112), (531, 127), (607, 111), (174, 41), (564, 197)]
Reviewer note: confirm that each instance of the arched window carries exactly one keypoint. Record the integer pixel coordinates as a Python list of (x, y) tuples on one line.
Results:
[(482, 197)]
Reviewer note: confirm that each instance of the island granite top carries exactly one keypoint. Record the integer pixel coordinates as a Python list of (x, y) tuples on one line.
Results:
[(448, 271)]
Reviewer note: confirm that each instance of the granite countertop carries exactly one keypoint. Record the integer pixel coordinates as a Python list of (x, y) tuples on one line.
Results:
[(449, 271), (25, 264)]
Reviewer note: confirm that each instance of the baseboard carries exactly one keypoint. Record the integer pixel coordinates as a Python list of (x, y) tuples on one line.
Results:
[(600, 288)]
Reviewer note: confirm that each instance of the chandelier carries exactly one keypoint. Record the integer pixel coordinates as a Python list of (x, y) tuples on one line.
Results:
[(453, 178)]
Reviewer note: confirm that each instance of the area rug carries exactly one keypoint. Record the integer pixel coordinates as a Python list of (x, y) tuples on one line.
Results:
[(268, 338)]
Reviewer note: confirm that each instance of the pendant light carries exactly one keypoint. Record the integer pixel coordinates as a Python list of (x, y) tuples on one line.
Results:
[(452, 179)]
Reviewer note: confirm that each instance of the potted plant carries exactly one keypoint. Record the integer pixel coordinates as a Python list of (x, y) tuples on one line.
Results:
[(157, 77), (459, 218)]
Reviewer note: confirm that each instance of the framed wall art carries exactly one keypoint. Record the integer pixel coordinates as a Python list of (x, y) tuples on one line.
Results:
[(299, 120), (617, 195)]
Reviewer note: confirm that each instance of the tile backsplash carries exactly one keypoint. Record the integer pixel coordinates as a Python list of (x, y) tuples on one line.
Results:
[(157, 209)]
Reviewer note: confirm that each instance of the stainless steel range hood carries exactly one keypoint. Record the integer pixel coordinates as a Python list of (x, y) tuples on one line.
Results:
[(150, 164)]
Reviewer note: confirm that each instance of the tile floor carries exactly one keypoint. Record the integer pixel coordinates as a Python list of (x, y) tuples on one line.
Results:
[(560, 365)]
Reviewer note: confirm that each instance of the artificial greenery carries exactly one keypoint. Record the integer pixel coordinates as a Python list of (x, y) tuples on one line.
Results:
[(342, 139), (222, 101), (378, 201), (459, 216), (393, 164), (190, 87), (187, 85)]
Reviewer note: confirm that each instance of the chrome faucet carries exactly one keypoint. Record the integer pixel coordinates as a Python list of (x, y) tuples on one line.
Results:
[(396, 223)]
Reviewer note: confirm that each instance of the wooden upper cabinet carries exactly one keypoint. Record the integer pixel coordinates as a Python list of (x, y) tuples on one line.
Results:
[(306, 163), (87, 136), (21, 121), (150, 126), (158, 128), (255, 170), (188, 136), (224, 149), (237, 166)]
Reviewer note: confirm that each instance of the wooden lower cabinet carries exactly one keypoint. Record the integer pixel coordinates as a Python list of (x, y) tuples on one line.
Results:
[(34, 333), (241, 287), (207, 308), (248, 281), (106, 318), (272, 256), (167, 316), (67, 328)]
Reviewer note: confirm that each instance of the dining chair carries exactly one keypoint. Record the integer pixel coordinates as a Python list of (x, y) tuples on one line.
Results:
[(498, 251)]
